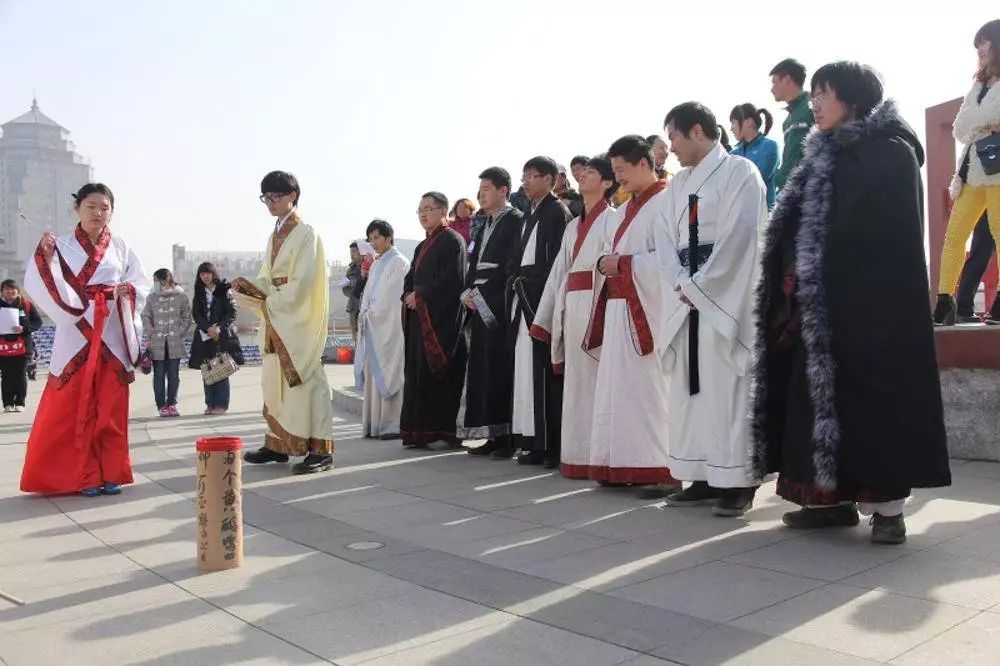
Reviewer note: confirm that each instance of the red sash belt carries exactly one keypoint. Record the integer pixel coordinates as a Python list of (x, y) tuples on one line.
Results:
[(620, 287), (580, 281)]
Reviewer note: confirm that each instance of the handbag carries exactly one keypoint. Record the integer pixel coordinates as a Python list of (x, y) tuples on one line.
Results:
[(219, 367), (988, 150)]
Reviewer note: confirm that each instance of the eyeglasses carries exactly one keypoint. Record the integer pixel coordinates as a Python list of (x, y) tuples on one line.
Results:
[(820, 98), (530, 176), (426, 210), (273, 198)]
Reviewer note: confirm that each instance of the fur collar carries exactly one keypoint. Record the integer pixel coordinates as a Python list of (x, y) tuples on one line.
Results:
[(808, 198)]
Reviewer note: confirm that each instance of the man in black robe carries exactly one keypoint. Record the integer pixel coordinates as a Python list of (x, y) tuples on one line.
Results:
[(537, 399), (490, 375), (434, 367)]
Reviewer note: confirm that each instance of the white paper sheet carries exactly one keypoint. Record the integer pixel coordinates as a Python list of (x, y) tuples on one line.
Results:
[(9, 318)]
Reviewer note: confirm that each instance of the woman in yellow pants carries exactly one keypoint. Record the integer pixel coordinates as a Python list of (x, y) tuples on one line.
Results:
[(974, 190)]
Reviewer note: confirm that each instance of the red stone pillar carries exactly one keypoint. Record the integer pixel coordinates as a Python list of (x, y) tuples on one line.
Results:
[(940, 169)]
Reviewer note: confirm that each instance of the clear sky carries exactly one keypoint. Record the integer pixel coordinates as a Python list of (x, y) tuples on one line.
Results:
[(183, 106)]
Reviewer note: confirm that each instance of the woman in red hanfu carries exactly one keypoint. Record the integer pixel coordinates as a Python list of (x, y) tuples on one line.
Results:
[(93, 286)]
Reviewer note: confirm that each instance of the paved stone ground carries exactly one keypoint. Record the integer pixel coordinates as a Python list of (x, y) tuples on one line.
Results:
[(483, 563)]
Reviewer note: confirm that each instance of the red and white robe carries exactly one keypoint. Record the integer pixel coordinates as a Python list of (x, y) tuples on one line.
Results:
[(562, 319), (629, 436), (80, 435)]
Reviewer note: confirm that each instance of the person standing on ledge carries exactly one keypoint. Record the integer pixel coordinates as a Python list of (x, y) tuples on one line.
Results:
[(787, 81), (291, 295)]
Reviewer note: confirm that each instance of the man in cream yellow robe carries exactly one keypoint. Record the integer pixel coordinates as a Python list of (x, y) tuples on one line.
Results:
[(291, 296)]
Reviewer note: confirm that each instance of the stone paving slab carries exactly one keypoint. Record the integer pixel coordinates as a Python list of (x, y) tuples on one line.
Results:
[(480, 562)]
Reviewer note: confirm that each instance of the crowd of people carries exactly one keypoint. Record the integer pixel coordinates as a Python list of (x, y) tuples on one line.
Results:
[(687, 334), (693, 334)]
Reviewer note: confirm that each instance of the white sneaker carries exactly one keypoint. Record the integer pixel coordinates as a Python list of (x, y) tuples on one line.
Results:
[(18, 408), (8, 409)]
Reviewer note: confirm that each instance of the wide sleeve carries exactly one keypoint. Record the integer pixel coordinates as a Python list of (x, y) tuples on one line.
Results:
[(296, 312), (550, 306), (48, 289)]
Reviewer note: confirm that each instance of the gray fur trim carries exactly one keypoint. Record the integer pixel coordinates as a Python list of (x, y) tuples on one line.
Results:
[(808, 196)]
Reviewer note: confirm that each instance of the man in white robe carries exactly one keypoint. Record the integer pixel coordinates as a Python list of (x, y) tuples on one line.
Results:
[(710, 431), (564, 313), (380, 346), (629, 435)]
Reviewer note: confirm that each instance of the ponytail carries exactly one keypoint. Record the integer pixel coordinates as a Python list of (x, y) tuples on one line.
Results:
[(768, 120)]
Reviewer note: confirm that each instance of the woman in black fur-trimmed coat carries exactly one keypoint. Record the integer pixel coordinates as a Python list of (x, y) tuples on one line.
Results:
[(847, 403)]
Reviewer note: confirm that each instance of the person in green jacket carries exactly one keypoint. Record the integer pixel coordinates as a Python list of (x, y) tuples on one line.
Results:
[(787, 80)]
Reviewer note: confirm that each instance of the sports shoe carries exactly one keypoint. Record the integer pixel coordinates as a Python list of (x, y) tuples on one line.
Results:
[(18, 408), (313, 463), (889, 530), (111, 488), (165, 413), (173, 410), (842, 515)]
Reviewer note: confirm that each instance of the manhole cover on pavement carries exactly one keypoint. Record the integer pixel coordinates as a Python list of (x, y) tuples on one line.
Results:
[(366, 545)]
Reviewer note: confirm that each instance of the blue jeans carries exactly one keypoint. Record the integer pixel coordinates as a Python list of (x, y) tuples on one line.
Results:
[(166, 381), (217, 395)]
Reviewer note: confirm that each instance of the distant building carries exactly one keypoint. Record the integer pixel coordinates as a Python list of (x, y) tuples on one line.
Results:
[(39, 172)]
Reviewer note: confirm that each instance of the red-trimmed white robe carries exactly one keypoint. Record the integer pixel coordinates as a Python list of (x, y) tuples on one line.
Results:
[(562, 319), (629, 435), (80, 435)]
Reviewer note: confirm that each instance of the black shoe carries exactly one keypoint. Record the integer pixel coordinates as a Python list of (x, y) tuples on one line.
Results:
[(968, 319), (734, 502), (413, 445), (389, 438), (699, 493), (993, 317), (503, 452), (945, 310), (313, 463), (842, 515), (264, 455), (484, 450), (657, 490), (550, 463), (888, 529), (529, 458)]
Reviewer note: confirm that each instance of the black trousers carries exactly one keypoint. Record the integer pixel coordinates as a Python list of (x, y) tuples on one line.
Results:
[(980, 254), (13, 380)]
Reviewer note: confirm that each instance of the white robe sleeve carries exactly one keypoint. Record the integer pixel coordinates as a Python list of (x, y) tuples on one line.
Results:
[(130, 309), (55, 298), (552, 306)]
